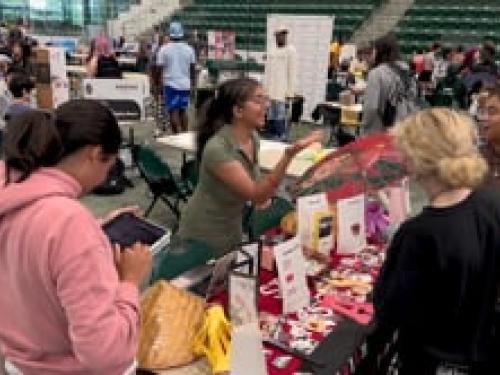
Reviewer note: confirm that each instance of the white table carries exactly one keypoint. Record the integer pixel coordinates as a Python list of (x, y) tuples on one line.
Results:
[(122, 60), (358, 108), (76, 70), (80, 70), (269, 154)]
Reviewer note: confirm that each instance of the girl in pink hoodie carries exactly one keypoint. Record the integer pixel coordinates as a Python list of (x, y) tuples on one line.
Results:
[(66, 306)]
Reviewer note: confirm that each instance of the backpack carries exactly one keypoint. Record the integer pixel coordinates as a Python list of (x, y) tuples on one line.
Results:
[(116, 182), (403, 98)]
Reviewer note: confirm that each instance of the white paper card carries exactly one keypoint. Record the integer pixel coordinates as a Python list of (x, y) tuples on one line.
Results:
[(247, 351), (351, 224), (292, 275), (242, 299)]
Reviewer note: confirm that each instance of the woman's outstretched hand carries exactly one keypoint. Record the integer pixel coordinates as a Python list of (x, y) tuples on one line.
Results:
[(302, 143)]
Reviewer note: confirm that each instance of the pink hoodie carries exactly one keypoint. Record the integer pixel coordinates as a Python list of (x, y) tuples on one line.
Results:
[(63, 309)]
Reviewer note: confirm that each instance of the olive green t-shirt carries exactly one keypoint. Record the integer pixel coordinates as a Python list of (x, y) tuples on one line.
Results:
[(213, 214)]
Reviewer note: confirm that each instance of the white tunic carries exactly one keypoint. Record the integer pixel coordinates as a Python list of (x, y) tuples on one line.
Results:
[(281, 73)]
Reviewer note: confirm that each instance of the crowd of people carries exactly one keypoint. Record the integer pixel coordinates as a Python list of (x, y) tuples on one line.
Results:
[(70, 300), (441, 75), (16, 72)]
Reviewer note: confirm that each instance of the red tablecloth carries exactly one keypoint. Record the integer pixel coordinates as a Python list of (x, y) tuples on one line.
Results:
[(273, 305)]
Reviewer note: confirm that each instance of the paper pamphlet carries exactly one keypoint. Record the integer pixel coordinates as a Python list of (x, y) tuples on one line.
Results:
[(292, 275), (351, 224), (242, 299)]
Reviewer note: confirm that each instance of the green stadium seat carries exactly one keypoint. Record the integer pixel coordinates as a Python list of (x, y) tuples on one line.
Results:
[(469, 22), (249, 19)]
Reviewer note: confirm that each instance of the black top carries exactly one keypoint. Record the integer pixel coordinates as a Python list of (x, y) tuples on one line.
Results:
[(438, 285), (107, 67)]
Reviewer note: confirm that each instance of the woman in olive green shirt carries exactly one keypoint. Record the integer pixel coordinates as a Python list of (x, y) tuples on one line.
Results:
[(227, 152)]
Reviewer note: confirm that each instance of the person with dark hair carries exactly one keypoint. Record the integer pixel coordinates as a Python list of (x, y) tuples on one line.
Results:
[(143, 55), (429, 63), (483, 70), (486, 61), (490, 130), (453, 86), (91, 53), (156, 38), (335, 51), (103, 63), (280, 81), (156, 82), (20, 86), (458, 55), (441, 64), (227, 154), (19, 62), (121, 43), (69, 302), (16, 33), (471, 57), (391, 93)]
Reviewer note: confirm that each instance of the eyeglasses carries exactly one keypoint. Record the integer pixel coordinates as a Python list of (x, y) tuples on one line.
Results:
[(260, 99)]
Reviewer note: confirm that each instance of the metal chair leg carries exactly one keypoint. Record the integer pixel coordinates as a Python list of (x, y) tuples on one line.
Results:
[(172, 207), (151, 205)]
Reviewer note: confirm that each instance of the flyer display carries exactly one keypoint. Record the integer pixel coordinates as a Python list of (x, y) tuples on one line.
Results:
[(221, 45)]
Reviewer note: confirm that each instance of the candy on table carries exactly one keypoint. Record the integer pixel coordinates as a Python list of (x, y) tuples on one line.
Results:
[(303, 345), (359, 312)]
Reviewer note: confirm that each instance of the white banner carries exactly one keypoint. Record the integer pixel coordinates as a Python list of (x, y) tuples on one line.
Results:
[(311, 36)]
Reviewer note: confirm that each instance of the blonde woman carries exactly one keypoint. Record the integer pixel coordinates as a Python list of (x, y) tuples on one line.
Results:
[(438, 286)]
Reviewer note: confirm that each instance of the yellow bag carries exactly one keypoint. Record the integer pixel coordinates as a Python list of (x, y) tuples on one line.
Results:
[(170, 319), (214, 340)]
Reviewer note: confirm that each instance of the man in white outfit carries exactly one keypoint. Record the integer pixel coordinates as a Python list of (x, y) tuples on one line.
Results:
[(280, 80)]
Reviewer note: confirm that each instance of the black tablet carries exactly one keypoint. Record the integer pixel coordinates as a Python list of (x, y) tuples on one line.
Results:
[(126, 229)]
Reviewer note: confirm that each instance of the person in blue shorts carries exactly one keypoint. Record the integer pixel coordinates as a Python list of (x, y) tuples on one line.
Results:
[(177, 60)]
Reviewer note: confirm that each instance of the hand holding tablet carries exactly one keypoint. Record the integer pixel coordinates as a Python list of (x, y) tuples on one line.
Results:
[(127, 229)]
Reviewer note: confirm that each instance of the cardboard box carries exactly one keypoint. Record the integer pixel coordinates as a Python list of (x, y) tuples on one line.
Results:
[(42, 73), (49, 62), (44, 96), (50, 96), (41, 56)]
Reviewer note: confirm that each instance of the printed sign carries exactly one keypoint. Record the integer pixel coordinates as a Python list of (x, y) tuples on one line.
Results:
[(221, 45), (351, 224), (292, 275), (242, 299)]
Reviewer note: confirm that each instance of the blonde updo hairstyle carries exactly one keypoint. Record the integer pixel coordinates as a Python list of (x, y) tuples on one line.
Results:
[(441, 143)]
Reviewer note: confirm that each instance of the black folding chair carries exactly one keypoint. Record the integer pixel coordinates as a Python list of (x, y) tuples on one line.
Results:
[(160, 180)]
